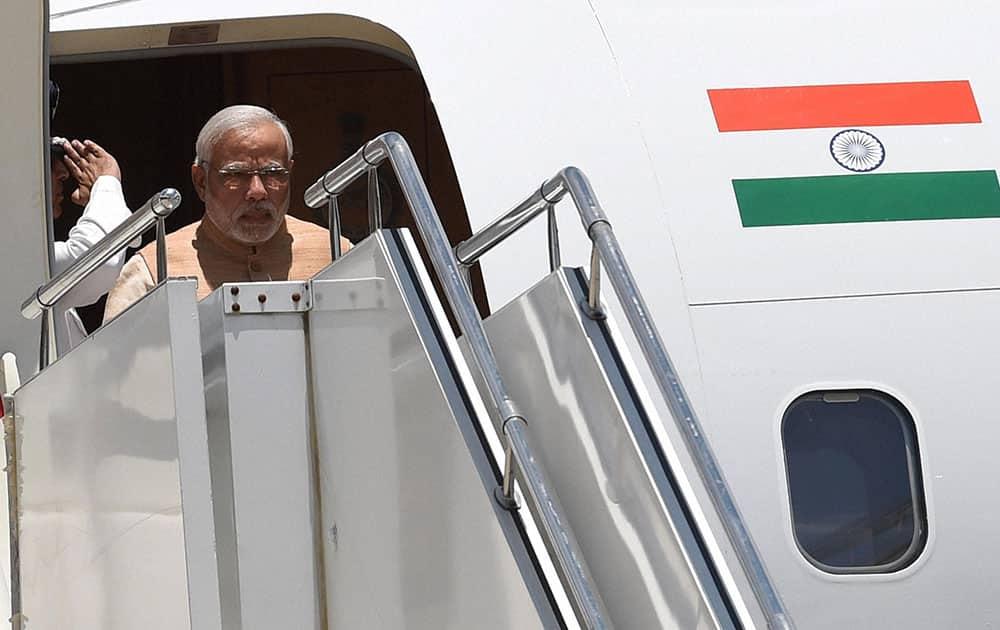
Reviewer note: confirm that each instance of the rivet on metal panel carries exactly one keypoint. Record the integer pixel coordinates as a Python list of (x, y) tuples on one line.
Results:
[(234, 290), (273, 297), (236, 308)]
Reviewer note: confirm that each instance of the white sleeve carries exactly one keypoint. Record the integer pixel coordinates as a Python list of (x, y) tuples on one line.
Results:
[(105, 211)]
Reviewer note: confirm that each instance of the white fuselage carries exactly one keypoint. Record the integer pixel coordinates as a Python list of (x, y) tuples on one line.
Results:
[(753, 317)]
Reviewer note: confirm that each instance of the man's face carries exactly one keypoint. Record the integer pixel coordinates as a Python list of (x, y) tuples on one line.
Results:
[(246, 207), (59, 175)]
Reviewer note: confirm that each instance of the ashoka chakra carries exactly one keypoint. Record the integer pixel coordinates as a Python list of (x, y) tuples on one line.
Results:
[(857, 150)]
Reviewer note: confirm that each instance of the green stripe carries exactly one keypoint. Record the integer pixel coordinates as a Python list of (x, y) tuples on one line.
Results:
[(853, 198)]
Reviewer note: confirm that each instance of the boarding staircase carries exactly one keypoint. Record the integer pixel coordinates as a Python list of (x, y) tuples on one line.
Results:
[(331, 454)]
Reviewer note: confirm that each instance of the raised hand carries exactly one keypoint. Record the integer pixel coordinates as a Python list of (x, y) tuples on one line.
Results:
[(86, 162)]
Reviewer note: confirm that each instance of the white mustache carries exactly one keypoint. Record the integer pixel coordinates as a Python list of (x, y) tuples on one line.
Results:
[(260, 206)]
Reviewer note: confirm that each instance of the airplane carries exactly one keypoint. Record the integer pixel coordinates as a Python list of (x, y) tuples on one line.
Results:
[(806, 194)]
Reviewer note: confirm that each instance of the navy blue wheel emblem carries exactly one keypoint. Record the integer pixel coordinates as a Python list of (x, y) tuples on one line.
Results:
[(857, 150)]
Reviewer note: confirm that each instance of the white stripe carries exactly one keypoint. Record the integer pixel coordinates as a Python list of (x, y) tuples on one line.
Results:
[(806, 152)]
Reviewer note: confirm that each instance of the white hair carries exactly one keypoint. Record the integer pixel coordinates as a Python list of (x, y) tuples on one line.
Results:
[(235, 117)]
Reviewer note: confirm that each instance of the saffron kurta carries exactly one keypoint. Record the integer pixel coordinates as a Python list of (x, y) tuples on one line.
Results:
[(296, 252)]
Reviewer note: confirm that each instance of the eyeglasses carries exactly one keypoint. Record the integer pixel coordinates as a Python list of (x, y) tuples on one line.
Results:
[(273, 177)]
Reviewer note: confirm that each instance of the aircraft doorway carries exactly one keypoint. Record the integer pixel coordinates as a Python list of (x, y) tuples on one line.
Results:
[(147, 112)]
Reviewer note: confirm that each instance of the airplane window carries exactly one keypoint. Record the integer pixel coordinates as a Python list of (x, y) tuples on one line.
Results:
[(854, 481)]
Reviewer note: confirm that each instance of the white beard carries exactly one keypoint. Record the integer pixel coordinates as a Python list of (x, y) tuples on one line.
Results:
[(247, 233)]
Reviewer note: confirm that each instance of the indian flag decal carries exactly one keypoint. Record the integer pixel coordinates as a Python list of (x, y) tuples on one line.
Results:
[(863, 192)]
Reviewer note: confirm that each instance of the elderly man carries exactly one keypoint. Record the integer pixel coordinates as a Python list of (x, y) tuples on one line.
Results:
[(241, 172)]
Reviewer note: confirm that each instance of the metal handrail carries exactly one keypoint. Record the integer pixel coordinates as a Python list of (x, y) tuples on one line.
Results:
[(392, 147), (153, 212), (606, 249)]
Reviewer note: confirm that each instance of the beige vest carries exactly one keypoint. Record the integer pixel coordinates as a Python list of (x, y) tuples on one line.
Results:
[(296, 252)]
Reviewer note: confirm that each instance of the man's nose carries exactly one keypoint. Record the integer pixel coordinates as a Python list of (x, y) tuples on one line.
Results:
[(256, 191)]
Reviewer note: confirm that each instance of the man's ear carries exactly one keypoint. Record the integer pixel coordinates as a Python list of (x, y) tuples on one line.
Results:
[(198, 179)]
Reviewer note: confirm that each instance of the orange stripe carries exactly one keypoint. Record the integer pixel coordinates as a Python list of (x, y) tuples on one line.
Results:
[(869, 104)]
